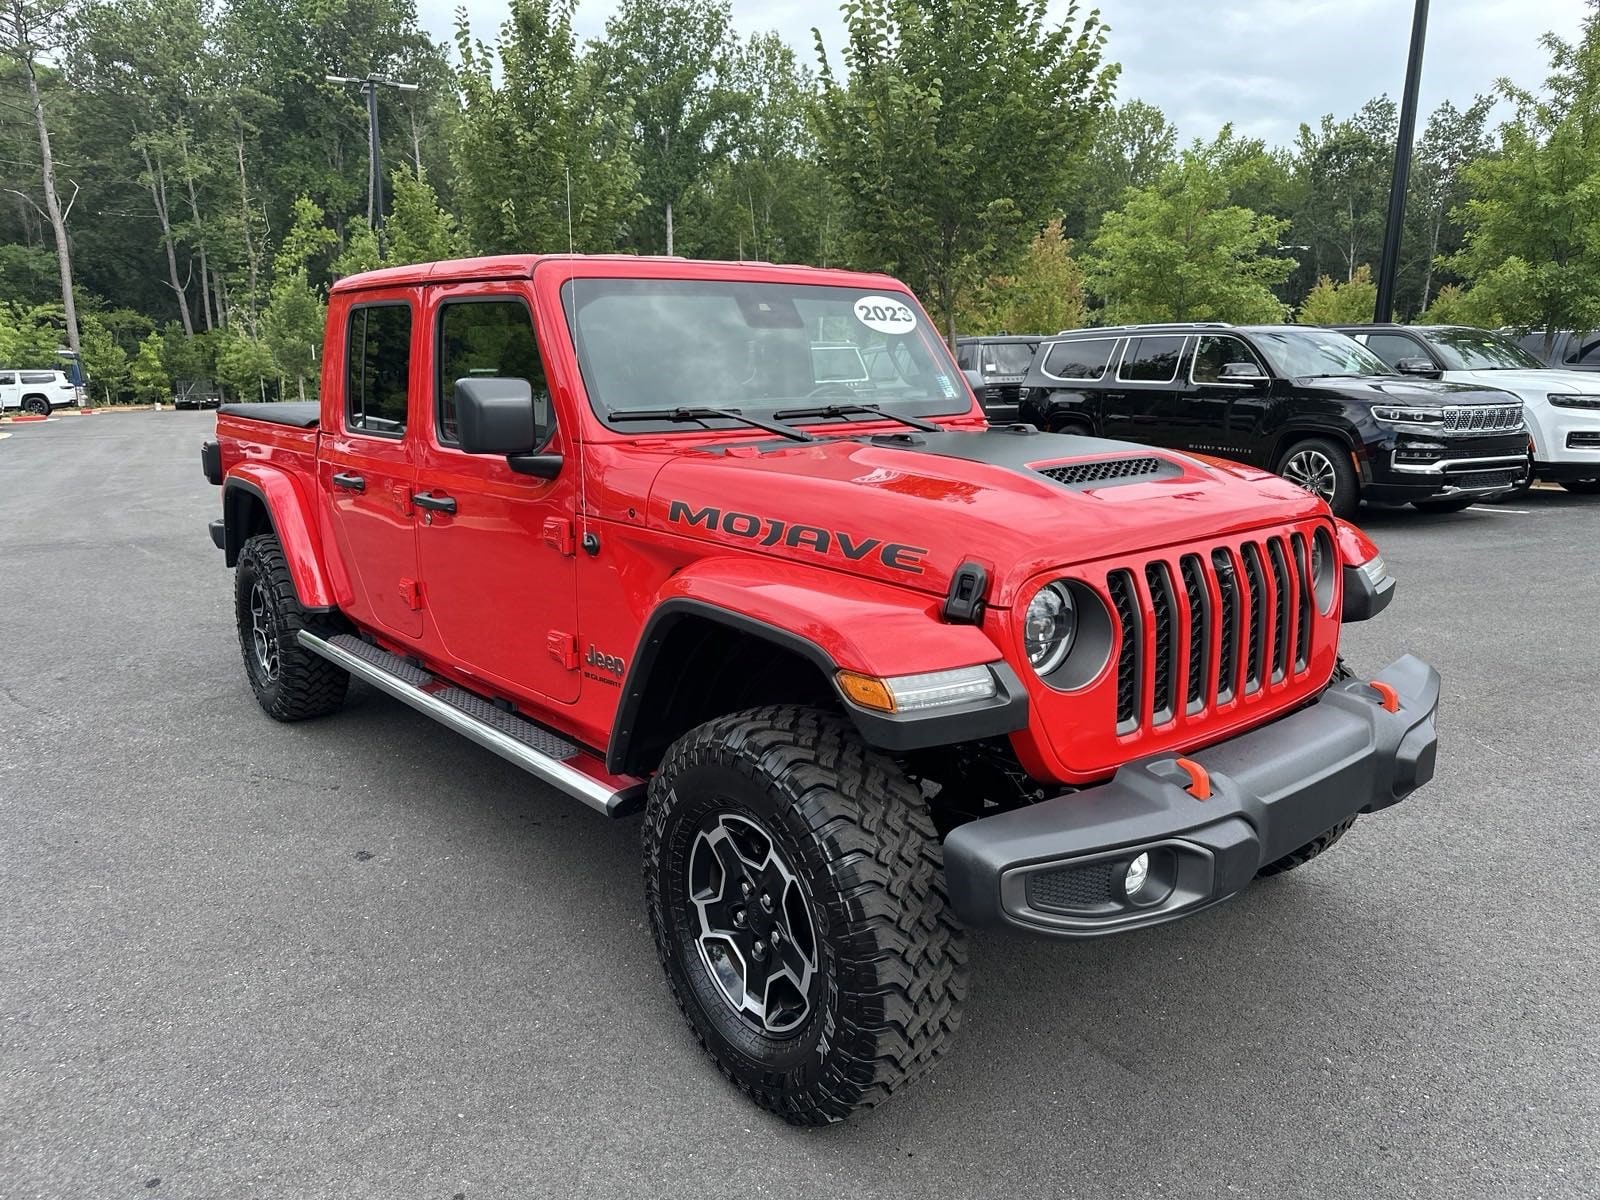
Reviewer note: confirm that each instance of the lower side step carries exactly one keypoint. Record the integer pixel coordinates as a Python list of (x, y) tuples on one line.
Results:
[(537, 750)]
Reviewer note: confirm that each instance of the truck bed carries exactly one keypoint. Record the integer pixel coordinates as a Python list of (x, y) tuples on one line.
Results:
[(299, 414)]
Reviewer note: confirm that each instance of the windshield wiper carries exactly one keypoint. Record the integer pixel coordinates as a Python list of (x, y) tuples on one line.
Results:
[(705, 414), (870, 410)]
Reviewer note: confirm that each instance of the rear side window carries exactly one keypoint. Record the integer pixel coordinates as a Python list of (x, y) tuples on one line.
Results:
[(485, 339), (1392, 347), (378, 369), (38, 377), (1084, 359), (1152, 359)]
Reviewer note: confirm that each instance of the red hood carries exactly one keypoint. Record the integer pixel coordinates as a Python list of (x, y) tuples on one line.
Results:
[(909, 510)]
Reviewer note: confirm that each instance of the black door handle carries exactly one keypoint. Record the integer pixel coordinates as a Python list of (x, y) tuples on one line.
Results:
[(446, 504), (350, 483)]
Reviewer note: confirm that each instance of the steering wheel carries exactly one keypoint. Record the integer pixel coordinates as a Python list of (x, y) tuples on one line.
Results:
[(830, 389)]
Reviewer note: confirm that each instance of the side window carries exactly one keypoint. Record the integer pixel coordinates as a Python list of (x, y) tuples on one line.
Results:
[(1083, 359), (1392, 347), (1152, 359), (7, 378), (1214, 353), (485, 338), (967, 356), (38, 377), (1588, 355), (377, 369)]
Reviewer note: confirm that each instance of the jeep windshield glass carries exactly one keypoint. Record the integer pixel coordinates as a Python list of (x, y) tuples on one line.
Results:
[(1012, 358), (1480, 350), (1316, 353), (663, 344)]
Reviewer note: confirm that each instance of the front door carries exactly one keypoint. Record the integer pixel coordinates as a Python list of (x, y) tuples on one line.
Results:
[(1215, 415), (499, 567), (366, 464)]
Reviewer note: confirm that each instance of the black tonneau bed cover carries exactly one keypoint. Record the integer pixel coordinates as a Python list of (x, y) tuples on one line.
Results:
[(300, 414)]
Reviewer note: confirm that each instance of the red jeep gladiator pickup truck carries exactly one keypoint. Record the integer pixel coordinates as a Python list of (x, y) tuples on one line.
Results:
[(876, 673)]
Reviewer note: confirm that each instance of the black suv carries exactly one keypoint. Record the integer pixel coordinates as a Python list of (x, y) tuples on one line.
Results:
[(1312, 405), (995, 367)]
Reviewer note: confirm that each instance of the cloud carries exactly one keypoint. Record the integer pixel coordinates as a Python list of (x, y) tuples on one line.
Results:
[(1265, 65)]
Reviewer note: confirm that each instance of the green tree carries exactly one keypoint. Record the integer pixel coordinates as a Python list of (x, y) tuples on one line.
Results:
[(292, 322), (1532, 220), (105, 362), (148, 375), (943, 173), (1333, 302), (245, 364), (669, 60), (1044, 294), (543, 156), (419, 230), (360, 254), (1179, 251), (1132, 143), (1342, 171), (1453, 138)]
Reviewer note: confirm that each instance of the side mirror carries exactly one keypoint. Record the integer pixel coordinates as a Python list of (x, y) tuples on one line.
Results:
[(1241, 372), (502, 416), (1418, 366)]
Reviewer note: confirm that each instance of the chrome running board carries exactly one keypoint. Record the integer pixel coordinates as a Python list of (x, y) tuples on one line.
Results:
[(545, 755)]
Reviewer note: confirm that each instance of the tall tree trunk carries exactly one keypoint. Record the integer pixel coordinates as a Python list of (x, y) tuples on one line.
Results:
[(1433, 253), (200, 236), (669, 228), (244, 214), (52, 203), (158, 195), (416, 142)]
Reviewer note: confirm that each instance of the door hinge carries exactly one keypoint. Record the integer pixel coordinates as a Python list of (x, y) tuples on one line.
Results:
[(411, 593), (558, 533), (563, 648)]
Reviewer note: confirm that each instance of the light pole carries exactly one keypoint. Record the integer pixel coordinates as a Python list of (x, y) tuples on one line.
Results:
[(369, 89), (1389, 265)]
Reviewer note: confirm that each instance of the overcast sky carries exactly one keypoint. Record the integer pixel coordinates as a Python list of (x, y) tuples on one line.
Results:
[(1265, 65)]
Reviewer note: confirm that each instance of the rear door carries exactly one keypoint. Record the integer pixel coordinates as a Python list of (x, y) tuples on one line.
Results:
[(365, 464), (1142, 404), (500, 569)]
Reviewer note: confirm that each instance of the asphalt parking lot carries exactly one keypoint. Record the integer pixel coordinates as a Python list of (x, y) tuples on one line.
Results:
[(363, 957)]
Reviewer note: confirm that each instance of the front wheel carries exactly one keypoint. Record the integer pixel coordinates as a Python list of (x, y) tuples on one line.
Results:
[(795, 885), (1454, 504), (1324, 470), (1582, 487)]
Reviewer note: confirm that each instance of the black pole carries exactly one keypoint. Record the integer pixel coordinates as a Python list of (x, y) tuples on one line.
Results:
[(1389, 267), (375, 185)]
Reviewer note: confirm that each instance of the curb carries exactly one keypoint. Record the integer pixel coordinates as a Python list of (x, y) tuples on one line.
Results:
[(24, 420)]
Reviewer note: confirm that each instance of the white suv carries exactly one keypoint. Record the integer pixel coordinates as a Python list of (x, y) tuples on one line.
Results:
[(38, 392), (1562, 407)]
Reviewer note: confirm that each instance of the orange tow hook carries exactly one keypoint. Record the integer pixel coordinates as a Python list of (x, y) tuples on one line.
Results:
[(1391, 698), (1199, 779)]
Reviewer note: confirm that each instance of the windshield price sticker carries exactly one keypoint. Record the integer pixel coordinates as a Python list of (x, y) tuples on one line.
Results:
[(885, 314)]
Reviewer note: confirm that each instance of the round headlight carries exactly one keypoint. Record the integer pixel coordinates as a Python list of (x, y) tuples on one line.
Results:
[(1049, 627)]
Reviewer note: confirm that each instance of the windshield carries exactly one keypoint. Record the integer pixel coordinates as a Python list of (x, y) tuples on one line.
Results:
[(1480, 350), (1317, 352), (646, 344), (1012, 358)]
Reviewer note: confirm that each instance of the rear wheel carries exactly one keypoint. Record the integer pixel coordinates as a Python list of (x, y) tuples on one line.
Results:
[(1324, 470), (796, 892), (37, 405), (1582, 487), (290, 683), (1453, 505)]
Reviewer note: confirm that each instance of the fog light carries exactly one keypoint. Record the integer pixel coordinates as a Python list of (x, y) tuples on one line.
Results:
[(1133, 880)]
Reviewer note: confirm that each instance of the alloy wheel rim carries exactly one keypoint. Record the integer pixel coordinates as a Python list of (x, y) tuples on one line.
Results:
[(1312, 470), (754, 931), (263, 632)]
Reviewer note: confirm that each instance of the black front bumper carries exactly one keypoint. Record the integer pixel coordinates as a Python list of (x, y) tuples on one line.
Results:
[(1058, 867)]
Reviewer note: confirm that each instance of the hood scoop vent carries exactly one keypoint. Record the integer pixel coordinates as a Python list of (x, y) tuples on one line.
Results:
[(1108, 470)]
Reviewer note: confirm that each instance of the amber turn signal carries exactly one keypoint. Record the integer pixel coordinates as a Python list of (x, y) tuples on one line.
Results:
[(866, 690)]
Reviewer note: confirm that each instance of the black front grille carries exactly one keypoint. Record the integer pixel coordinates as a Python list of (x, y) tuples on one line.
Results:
[(1161, 602), (1120, 584), (1253, 602), (1102, 470)]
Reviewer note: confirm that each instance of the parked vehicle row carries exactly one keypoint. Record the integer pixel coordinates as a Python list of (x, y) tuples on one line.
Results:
[(731, 544)]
